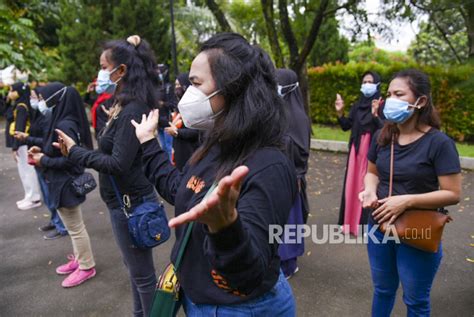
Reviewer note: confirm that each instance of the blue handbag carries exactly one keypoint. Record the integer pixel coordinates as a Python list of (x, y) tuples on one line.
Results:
[(147, 222)]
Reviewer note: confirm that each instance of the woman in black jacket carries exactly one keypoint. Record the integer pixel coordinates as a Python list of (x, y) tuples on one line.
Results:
[(128, 66), (39, 131), (67, 114), (298, 148), (22, 119), (229, 263)]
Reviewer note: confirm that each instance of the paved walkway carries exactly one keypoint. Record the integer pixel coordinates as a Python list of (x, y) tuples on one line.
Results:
[(334, 280)]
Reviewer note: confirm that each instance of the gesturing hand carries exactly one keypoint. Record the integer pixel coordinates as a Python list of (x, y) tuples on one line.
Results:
[(146, 129), (65, 143), (375, 106), (218, 210), (339, 104), (172, 130)]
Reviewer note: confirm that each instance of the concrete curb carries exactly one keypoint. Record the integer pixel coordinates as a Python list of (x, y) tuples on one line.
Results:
[(342, 147)]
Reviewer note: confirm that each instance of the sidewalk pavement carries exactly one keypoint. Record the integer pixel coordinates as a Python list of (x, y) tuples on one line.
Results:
[(334, 280)]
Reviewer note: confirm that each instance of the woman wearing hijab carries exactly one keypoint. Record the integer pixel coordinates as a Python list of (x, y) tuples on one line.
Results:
[(185, 140), (22, 118), (298, 149), (67, 114), (39, 131), (363, 121)]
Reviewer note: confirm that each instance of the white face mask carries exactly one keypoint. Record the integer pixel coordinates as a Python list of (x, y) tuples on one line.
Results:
[(195, 108), (34, 103)]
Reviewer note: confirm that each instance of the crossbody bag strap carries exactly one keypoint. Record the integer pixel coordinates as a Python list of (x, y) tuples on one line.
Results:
[(390, 186), (119, 199), (187, 235)]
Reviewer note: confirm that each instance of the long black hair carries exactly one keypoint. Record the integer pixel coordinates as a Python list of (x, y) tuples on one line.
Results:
[(420, 85), (141, 81), (254, 115)]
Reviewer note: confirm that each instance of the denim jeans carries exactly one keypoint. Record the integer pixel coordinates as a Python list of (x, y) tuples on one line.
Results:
[(392, 263), (55, 219), (139, 262), (166, 142), (277, 302)]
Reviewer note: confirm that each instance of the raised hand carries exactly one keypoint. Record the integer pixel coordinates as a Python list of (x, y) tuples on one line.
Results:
[(218, 210), (375, 106), (65, 143), (339, 104), (146, 129)]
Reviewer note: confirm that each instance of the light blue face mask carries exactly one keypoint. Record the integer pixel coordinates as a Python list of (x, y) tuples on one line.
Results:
[(280, 89), (104, 84), (43, 106), (34, 103), (398, 111), (369, 89)]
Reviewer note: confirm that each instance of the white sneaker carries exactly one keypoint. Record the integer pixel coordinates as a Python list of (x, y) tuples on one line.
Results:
[(29, 205), (21, 202)]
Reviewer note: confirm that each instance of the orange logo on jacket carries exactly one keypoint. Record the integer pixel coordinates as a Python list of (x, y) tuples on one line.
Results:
[(196, 184)]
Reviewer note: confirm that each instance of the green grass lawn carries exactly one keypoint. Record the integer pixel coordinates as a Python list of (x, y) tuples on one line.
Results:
[(335, 133)]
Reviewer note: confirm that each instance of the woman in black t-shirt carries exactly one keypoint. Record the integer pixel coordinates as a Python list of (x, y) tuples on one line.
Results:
[(426, 176)]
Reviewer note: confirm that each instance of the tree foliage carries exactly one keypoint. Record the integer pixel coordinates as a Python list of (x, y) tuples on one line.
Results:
[(20, 45)]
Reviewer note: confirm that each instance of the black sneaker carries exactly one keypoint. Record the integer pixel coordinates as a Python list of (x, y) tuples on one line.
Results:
[(47, 227), (53, 235)]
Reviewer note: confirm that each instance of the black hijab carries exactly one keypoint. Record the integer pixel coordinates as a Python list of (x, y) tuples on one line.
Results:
[(183, 80), (24, 93), (69, 107), (51, 89), (361, 113), (300, 126)]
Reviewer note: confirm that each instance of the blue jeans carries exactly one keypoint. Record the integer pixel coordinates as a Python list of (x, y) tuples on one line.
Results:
[(139, 262), (55, 220), (166, 142), (277, 302), (392, 263)]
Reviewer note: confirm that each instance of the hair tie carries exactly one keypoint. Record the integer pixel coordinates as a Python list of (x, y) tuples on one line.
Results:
[(134, 40)]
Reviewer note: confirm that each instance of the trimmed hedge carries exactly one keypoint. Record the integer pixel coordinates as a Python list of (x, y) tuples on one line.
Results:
[(452, 90)]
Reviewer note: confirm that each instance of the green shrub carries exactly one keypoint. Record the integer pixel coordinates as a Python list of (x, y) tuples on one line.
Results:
[(452, 90)]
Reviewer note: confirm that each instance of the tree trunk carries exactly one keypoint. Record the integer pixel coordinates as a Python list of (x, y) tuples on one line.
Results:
[(219, 15), (267, 9), (470, 29)]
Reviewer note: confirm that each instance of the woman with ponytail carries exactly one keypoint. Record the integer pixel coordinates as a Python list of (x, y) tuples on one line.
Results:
[(128, 71)]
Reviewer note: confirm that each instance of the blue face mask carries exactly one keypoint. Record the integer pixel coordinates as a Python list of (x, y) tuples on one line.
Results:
[(104, 84), (368, 89), (42, 104), (398, 111), (289, 88)]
